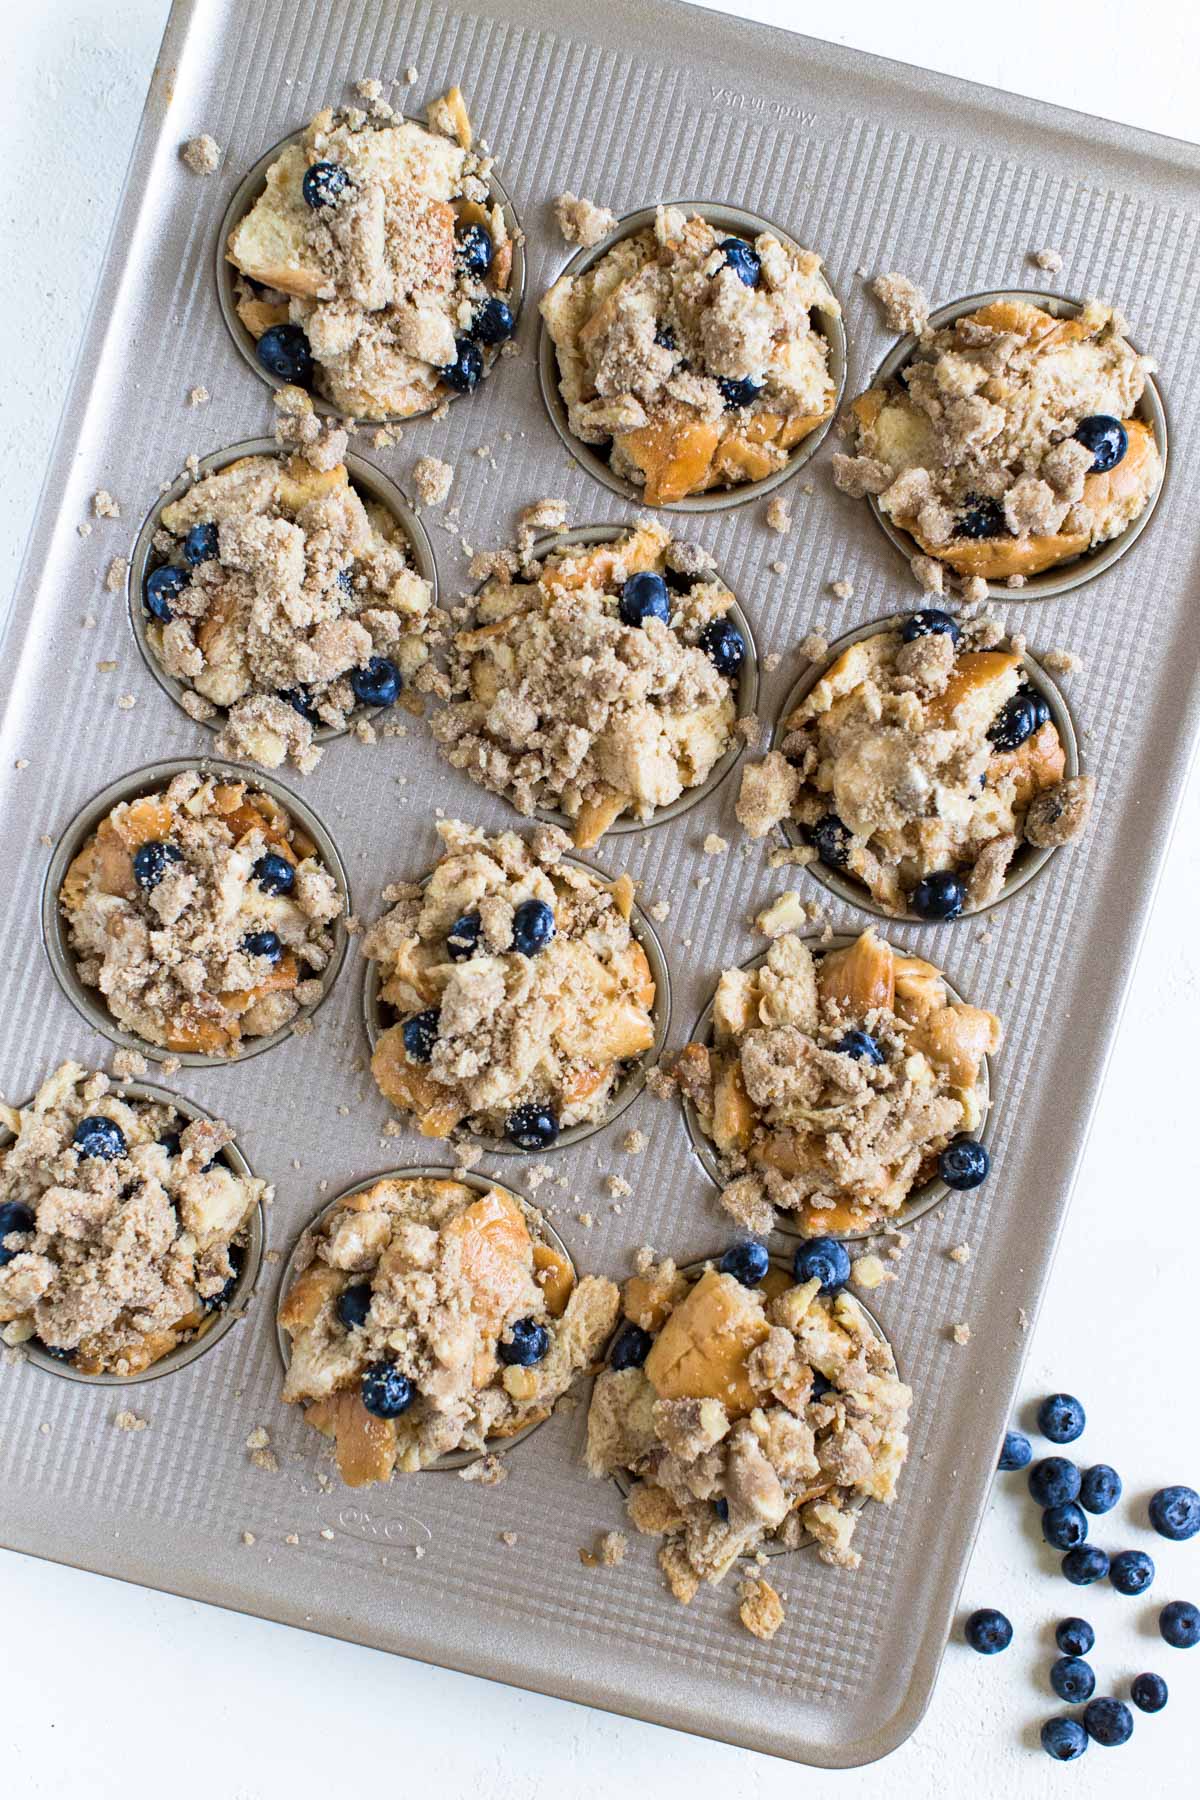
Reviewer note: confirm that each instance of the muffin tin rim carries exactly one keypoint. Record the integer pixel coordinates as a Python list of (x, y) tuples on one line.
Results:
[(829, 325), (1032, 860), (632, 1084), (379, 488), (925, 1199), (249, 188), (1060, 578), (243, 1294), (136, 783), (483, 1184)]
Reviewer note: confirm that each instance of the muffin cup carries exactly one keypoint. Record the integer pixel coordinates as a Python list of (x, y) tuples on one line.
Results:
[(1063, 577), (1028, 861), (377, 1016), (746, 699), (217, 1323), (371, 484), (302, 1254), (738, 221), (243, 198), (154, 776), (769, 1546), (920, 1201)]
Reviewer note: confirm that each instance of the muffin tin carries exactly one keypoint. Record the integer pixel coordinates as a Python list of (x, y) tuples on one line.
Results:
[(876, 166)]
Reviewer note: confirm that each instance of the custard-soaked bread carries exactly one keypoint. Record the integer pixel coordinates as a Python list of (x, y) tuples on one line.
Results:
[(760, 1415), (122, 1226), (835, 1082), (428, 1317), (522, 997)]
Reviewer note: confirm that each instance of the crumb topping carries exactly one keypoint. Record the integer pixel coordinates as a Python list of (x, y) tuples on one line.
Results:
[(203, 915), (582, 221), (111, 1260), (202, 154), (442, 1278), (551, 1030), (557, 702), (695, 354)]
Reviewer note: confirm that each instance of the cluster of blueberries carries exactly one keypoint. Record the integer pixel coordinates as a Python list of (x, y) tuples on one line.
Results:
[(273, 873), (736, 391), (943, 894), (1067, 1494), (284, 350), (646, 596), (1100, 433)]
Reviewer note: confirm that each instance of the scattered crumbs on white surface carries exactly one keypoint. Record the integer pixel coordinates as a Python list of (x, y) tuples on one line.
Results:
[(114, 579), (959, 1253), (21, 762), (201, 154), (785, 913), (128, 1064), (44, 1429), (842, 590), (126, 702), (1062, 662), (1022, 1319), (291, 1537), (868, 1272), (778, 567), (771, 661), (1050, 260), (410, 74), (961, 1333), (89, 621), (617, 1186), (249, 1538), (104, 506), (634, 1142), (586, 1219), (259, 1438), (327, 1534), (106, 665), (170, 1065), (488, 1471), (199, 395), (660, 911), (609, 1552), (509, 1538), (714, 845), (432, 479), (129, 1421), (84, 529), (779, 517), (814, 648)]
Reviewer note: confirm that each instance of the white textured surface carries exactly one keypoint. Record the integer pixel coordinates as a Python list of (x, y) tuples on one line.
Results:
[(93, 1703)]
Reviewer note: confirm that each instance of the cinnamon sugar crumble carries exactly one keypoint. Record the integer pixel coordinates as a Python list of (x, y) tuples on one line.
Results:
[(761, 1610), (432, 479), (202, 154), (582, 221), (905, 306)]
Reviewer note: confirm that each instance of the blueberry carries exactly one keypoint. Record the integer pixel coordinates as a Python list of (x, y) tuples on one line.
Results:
[(323, 184), (163, 585), (631, 1347), (420, 1035), (1041, 705), (1179, 1622), (724, 646), (1087, 1564), (493, 323), (1054, 1481), (1017, 1452), (1065, 1527), (466, 371), (354, 1303), (1061, 1418), (1016, 721), (13, 1217), (1064, 1739), (283, 350), (1108, 1722), (100, 1137), (531, 1127), (150, 862), (264, 944), (1175, 1513), (938, 896), (824, 1260), (171, 1142), (1074, 1637), (1100, 1489), (1072, 1680), (721, 1508), (963, 1164), (831, 840), (200, 545), (463, 936), (345, 580), (929, 619), (377, 683), (747, 1263), (742, 260), (527, 1344), (1106, 438), (821, 1385), (1148, 1692), (274, 873), (300, 700), (533, 927), (988, 1631), (644, 596), (984, 518), (475, 249), (385, 1391), (214, 1302), (1131, 1571), (664, 337), (861, 1046), (738, 393), (57, 1351)]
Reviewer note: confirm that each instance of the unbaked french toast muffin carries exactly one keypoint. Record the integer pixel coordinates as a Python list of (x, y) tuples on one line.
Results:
[(522, 997), (1008, 443), (376, 264), (920, 762), (601, 682), (280, 595), (689, 358), (750, 1410), (836, 1083), (428, 1317), (122, 1230), (202, 914)]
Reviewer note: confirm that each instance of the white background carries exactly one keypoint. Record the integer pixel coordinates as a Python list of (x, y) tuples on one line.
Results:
[(113, 1691)]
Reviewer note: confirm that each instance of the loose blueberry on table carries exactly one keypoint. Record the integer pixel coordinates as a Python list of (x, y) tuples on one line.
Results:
[(1087, 1564), (1054, 1481), (1175, 1512), (1064, 1739), (1073, 1680), (1099, 1489), (1061, 1418), (1016, 1452), (1131, 1572), (1108, 1722), (988, 1631), (1179, 1624), (1074, 1636)]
